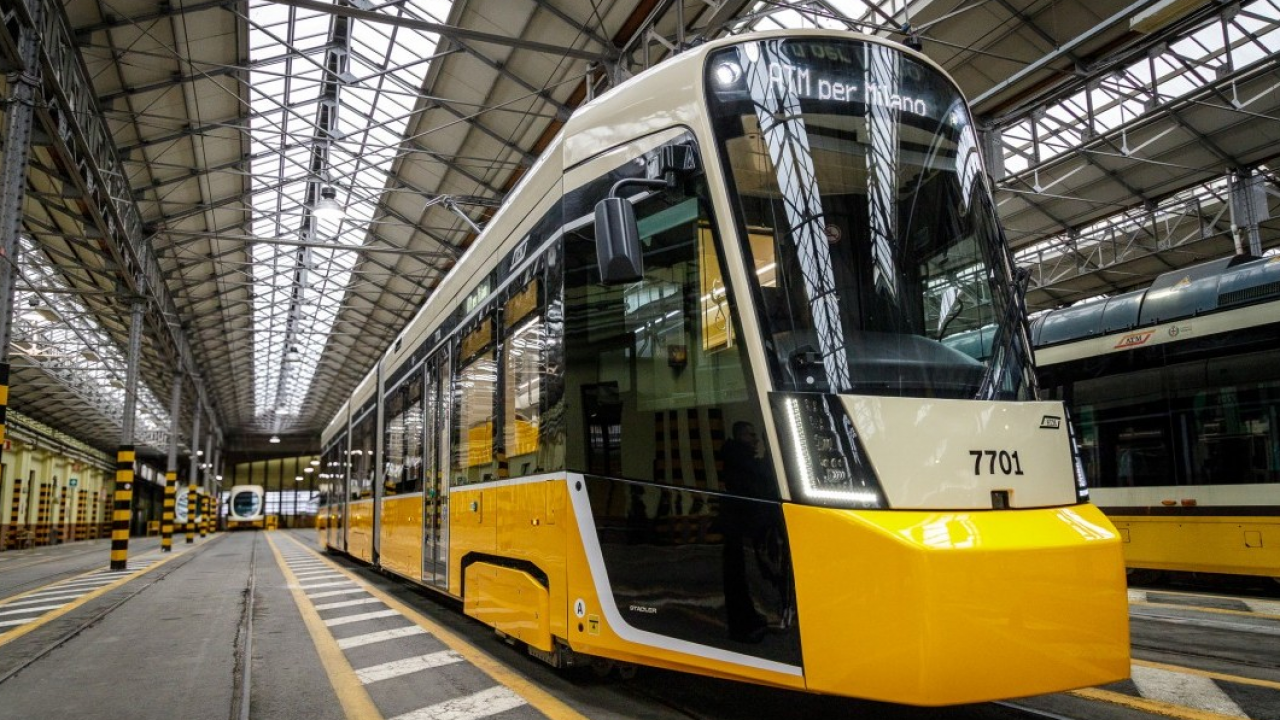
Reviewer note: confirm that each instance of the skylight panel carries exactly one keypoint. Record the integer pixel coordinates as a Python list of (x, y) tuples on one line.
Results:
[(57, 333), (302, 280), (1183, 67)]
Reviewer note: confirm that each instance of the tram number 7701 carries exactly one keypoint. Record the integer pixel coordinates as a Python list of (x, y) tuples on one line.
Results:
[(1008, 462)]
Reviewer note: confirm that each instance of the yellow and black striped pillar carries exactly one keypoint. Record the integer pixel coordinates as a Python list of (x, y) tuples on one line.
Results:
[(123, 507), (204, 515), (82, 514), (191, 514), (42, 516), (15, 511), (166, 514)]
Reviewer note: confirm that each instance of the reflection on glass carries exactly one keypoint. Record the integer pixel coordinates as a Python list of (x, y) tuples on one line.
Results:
[(878, 263), (474, 393), (524, 369)]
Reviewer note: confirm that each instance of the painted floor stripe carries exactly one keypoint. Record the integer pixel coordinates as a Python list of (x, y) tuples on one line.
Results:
[(482, 704), (380, 636), (348, 603), (315, 575), (1186, 690), (323, 585), (31, 599), (38, 608), (94, 580), (331, 593), (348, 619), (76, 592), (11, 623), (396, 668)]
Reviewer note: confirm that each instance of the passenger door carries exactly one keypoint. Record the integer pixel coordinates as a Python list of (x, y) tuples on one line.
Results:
[(435, 497)]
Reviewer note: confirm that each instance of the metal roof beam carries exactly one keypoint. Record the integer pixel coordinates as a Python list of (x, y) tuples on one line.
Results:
[(452, 32)]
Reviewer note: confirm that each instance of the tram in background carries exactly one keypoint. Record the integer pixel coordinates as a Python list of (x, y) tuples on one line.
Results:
[(246, 505), (686, 402), (1174, 391)]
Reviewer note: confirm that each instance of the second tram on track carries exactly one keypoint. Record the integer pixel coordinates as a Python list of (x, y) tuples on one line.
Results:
[(1175, 393), (686, 402), (246, 505)]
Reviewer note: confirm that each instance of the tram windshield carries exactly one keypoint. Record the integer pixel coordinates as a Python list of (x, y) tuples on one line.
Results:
[(879, 267), (246, 503)]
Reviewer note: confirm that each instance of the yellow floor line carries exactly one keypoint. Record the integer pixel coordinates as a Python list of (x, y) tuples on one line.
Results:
[(1152, 706), (1209, 674), (54, 615), (355, 700), (548, 704)]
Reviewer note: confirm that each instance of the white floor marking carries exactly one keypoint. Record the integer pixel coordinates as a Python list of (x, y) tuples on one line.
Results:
[(347, 603), (1193, 691), (313, 574), (38, 608), (11, 623), (482, 704), (396, 668), (348, 619), (331, 593), (324, 585), (31, 599), (380, 636), (86, 583)]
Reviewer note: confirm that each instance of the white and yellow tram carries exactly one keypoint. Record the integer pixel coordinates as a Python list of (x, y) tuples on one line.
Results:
[(687, 401)]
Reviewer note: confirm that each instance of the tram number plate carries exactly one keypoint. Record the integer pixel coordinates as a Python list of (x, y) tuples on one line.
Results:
[(1003, 461)]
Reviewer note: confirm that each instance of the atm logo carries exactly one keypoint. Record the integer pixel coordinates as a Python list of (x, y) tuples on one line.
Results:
[(1133, 340)]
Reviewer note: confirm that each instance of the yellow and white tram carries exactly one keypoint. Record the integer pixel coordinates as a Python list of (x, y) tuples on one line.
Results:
[(1175, 394), (687, 403), (245, 507)]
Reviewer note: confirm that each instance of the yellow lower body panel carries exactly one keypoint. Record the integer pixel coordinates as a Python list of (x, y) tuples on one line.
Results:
[(360, 530), (941, 608), (512, 601), (400, 547), (1234, 545)]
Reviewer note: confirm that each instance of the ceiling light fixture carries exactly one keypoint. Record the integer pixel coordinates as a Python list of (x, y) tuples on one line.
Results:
[(327, 207), (275, 440)]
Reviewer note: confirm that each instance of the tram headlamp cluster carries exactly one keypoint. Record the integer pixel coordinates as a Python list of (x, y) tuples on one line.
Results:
[(825, 460), (1082, 480)]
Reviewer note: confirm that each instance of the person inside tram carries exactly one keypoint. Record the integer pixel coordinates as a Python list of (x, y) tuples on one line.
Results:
[(744, 521)]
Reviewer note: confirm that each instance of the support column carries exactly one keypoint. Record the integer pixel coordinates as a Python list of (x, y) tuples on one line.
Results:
[(193, 478), (1248, 208), (24, 88), (171, 469), (204, 513), (125, 455), (210, 485)]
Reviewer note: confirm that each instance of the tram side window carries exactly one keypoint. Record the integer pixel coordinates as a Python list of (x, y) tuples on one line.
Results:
[(1211, 422), (523, 368), (362, 448), (393, 444), (412, 479), (403, 441), (656, 380), (474, 393)]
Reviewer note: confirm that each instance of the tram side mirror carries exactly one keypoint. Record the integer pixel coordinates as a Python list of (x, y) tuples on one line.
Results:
[(618, 250)]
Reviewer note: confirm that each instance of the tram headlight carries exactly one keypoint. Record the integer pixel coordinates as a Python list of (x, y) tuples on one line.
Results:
[(1082, 480), (825, 460)]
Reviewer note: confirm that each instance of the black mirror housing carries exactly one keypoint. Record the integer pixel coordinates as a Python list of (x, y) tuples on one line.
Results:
[(618, 250)]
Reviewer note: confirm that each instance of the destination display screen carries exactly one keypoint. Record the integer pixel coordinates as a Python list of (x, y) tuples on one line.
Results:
[(832, 71)]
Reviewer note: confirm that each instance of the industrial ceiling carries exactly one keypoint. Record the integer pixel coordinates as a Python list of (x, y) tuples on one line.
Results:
[(278, 185)]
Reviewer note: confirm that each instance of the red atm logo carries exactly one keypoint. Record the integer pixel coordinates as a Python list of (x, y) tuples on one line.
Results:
[(1133, 340)]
